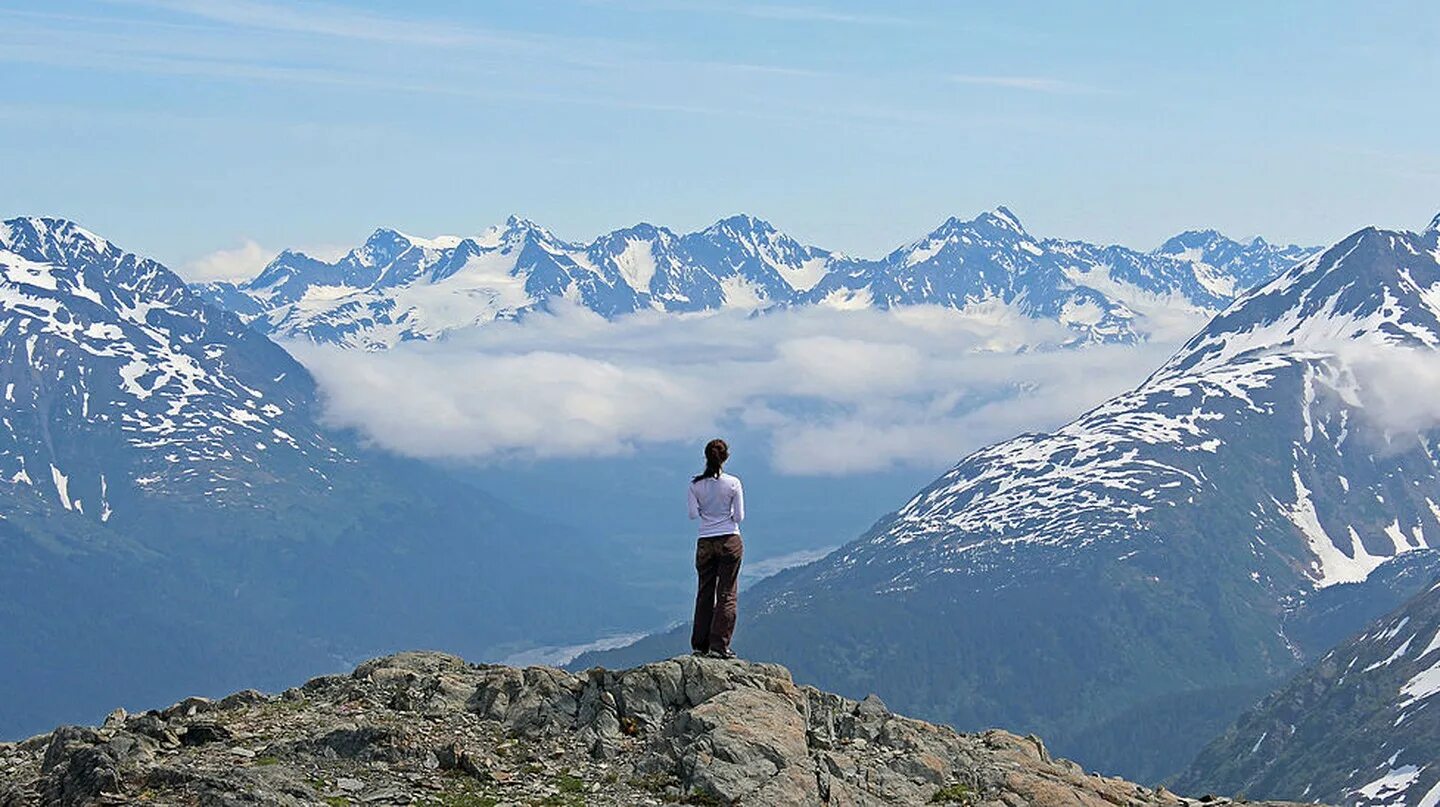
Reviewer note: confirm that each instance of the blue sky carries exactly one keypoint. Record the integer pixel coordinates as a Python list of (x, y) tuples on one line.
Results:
[(181, 127)]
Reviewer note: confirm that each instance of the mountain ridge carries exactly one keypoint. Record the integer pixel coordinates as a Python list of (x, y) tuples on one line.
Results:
[(428, 288)]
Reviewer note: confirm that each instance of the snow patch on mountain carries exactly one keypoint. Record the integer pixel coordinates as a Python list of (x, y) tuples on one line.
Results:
[(98, 339), (397, 287)]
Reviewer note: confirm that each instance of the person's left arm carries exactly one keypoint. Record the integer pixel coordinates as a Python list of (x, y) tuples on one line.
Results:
[(737, 505)]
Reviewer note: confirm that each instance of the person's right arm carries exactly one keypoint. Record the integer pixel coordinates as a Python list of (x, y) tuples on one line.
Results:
[(737, 505), (693, 503)]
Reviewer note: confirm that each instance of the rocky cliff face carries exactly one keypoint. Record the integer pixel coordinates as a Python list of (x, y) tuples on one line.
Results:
[(427, 728)]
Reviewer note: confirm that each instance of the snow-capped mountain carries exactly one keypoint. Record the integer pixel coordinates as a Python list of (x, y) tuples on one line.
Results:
[(1226, 267), (756, 264), (1138, 567), (988, 260), (1359, 727), (118, 381), (170, 501), (397, 287), (1278, 357)]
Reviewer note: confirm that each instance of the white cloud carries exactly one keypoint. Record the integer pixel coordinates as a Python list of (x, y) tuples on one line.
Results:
[(830, 392), (1397, 388), (241, 263)]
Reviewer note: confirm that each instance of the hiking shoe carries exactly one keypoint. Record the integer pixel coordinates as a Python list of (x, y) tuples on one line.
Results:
[(721, 654)]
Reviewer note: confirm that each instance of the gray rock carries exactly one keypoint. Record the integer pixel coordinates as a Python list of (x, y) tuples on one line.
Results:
[(532, 702), (187, 708), (245, 697), (427, 728), (78, 767)]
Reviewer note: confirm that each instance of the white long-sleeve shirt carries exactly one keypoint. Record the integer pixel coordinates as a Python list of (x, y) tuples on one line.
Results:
[(719, 503)]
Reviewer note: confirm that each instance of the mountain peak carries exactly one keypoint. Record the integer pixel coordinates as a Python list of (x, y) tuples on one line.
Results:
[(643, 229), (999, 219), (45, 229), (742, 223), (1191, 239), (384, 236), (382, 247), (1434, 224), (391, 240), (1005, 217), (520, 224), (516, 229), (288, 264), (1367, 286)]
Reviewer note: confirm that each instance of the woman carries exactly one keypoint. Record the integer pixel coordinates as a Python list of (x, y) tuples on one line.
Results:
[(717, 499)]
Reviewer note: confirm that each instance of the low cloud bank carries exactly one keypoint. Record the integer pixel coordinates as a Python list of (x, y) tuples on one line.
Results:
[(1397, 387), (833, 392)]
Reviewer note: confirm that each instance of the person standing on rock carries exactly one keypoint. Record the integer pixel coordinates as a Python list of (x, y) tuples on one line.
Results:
[(718, 501)]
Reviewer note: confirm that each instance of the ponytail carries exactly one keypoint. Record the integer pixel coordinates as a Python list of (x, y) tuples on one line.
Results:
[(716, 452)]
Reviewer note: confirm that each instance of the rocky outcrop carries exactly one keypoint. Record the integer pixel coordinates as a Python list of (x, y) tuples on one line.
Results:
[(428, 728)]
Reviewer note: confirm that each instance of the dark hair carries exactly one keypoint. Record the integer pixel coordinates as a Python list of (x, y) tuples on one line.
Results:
[(716, 452)]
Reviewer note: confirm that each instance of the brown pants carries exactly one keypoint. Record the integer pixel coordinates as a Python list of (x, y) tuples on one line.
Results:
[(718, 562)]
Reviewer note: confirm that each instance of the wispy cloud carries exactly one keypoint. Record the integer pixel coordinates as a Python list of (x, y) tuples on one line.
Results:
[(621, 78), (1026, 83), (135, 53), (326, 20)]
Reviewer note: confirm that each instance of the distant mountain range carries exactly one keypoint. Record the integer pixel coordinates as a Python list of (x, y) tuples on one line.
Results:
[(1132, 581), (171, 504), (398, 287), (1358, 727)]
